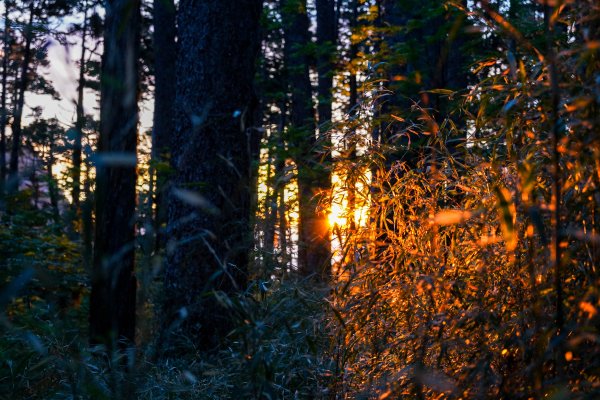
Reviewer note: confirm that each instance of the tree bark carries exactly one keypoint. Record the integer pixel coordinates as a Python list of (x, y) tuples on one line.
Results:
[(79, 122), (313, 246), (4, 115), (326, 41), (112, 302), (13, 182), (164, 98), (214, 150), (52, 186)]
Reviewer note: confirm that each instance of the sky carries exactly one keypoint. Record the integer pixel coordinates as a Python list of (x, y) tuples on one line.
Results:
[(63, 73)]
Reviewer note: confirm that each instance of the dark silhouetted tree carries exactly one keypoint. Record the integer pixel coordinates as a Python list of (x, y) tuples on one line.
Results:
[(214, 149), (313, 246), (112, 302), (164, 97)]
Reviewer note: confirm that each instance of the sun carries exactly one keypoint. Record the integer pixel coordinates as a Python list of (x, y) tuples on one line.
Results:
[(337, 215)]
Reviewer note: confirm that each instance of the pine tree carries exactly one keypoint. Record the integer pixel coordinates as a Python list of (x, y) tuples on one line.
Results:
[(214, 149), (112, 301)]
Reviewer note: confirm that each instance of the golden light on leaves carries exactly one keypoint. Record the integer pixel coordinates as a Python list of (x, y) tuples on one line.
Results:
[(507, 215), (344, 204), (588, 308), (452, 217)]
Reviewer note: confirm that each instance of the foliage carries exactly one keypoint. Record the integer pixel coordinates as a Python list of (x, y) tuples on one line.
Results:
[(452, 290), (467, 238)]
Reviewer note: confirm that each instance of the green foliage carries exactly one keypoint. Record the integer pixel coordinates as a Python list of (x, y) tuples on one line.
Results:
[(279, 344)]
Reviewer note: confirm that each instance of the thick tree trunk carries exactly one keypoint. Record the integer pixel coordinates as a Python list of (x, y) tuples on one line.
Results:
[(164, 98), (13, 181), (313, 246), (213, 156), (112, 302)]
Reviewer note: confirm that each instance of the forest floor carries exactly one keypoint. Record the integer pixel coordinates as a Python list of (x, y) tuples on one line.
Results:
[(279, 348)]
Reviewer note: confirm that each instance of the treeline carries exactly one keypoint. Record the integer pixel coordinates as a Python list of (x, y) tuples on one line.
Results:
[(340, 198)]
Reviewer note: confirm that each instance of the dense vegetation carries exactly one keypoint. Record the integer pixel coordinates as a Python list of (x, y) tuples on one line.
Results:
[(345, 199)]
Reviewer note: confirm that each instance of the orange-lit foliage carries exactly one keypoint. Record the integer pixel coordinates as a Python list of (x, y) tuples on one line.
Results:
[(451, 290)]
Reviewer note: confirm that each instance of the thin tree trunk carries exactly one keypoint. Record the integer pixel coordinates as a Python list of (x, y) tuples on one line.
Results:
[(4, 115), (52, 188), (283, 229), (326, 40), (86, 221), (352, 104), (112, 302), (278, 161), (80, 119), (13, 183)]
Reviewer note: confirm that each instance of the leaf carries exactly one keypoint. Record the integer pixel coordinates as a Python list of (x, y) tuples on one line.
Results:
[(509, 104), (195, 199), (451, 217), (588, 308), (507, 215), (446, 92)]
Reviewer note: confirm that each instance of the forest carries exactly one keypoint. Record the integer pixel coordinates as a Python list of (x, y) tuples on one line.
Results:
[(300, 199)]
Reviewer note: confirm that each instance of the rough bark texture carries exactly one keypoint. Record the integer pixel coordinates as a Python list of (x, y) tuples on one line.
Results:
[(164, 97), (112, 302), (213, 153), (313, 246)]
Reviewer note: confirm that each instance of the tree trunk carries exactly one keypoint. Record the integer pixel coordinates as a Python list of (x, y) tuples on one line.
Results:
[(80, 119), (352, 104), (326, 41), (52, 186), (3, 116), (13, 182), (87, 226), (112, 302), (164, 98), (275, 183), (313, 246), (213, 157)]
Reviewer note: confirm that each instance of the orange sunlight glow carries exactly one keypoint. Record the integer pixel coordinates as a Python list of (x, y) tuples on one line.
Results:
[(340, 207)]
